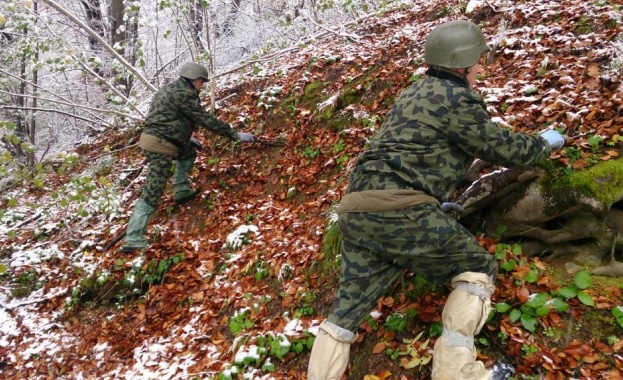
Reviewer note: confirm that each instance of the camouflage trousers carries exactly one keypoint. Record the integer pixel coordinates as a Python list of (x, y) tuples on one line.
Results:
[(378, 246), (159, 171)]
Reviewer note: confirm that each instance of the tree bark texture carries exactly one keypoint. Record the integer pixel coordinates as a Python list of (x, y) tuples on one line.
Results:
[(95, 20), (555, 222)]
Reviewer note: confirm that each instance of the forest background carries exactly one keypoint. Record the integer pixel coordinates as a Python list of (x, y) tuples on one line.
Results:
[(235, 284)]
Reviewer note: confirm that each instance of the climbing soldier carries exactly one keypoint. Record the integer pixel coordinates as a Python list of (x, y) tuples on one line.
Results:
[(174, 114), (393, 218)]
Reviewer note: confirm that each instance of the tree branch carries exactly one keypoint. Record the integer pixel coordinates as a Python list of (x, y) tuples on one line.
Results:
[(349, 37), (105, 45), (73, 105), (53, 111), (310, 38)]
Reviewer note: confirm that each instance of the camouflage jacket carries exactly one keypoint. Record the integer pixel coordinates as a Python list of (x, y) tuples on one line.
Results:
[(175, 112), (431, 136)]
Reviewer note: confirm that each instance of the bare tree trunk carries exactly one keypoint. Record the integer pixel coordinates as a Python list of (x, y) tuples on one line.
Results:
[(196, 26), (230, 19), (131, 48), (117, 27), (32, 136), (124, 38), (95, 21), (106, 46), (212, 63), (21, 126)]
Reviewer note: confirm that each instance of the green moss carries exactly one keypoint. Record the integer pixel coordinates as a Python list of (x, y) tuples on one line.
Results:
[(347, 97), (312, 90), (603, 181)]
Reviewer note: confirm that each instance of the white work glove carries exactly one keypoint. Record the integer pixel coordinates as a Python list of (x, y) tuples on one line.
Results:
[(553, 138), (447, 206), (246, 137)]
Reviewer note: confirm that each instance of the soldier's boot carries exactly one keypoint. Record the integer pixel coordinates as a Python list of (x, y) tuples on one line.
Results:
[(137, 225), (465, 312), (330, 352), (182, 192)]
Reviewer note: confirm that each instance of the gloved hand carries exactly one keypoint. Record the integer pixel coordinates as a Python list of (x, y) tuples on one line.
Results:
[(246, 137), (447, 206), (194, 142), (553, 138)]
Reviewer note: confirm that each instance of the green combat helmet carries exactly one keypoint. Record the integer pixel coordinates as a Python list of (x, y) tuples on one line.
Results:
[(455, 44), (192, 71)]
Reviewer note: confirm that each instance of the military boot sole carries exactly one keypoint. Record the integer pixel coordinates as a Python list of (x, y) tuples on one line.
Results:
[(129, 250), (186, 198)]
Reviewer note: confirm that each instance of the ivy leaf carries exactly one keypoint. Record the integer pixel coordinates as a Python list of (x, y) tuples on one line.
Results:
[(583, 280), (542, 310), (502, 307), (514, 315), (500, 255), (528, 322), (529, 310), (297, 347), (560, 305), (532, 276), (618, 314), (435, 329), (568, 292), (509, 265), (585, 298), (538, 300)]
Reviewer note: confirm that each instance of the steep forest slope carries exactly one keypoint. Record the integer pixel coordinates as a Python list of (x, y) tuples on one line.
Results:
[(236, 282)]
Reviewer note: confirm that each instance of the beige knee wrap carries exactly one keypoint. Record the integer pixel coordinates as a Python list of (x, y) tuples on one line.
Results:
[(465, 313), (330, 353)]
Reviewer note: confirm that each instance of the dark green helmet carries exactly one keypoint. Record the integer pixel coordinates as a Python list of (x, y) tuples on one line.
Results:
[(192, 70), (455, 44)]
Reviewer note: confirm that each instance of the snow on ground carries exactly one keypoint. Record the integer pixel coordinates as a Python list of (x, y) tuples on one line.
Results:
[(28, 330)]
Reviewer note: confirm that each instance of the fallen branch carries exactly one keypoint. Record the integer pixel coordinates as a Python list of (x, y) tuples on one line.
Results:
[(113, 241)]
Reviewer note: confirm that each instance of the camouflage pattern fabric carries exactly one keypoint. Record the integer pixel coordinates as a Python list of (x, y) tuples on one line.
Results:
[(159, 172), (176, 110), (431, 136), (378, 246), (428, 141)]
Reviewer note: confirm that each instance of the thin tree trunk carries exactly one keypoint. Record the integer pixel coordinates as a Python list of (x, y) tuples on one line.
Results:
[(21, 122), (104, 44), (196, 25), (30, 156), (117, 27), (211, 62), (95, 21), (231, 17)]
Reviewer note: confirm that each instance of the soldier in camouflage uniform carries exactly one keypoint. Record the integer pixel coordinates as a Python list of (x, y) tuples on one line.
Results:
[(174, 114), (392, 216)]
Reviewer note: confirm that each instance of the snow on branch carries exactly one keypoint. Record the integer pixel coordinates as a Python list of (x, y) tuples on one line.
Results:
[(105, 45)]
